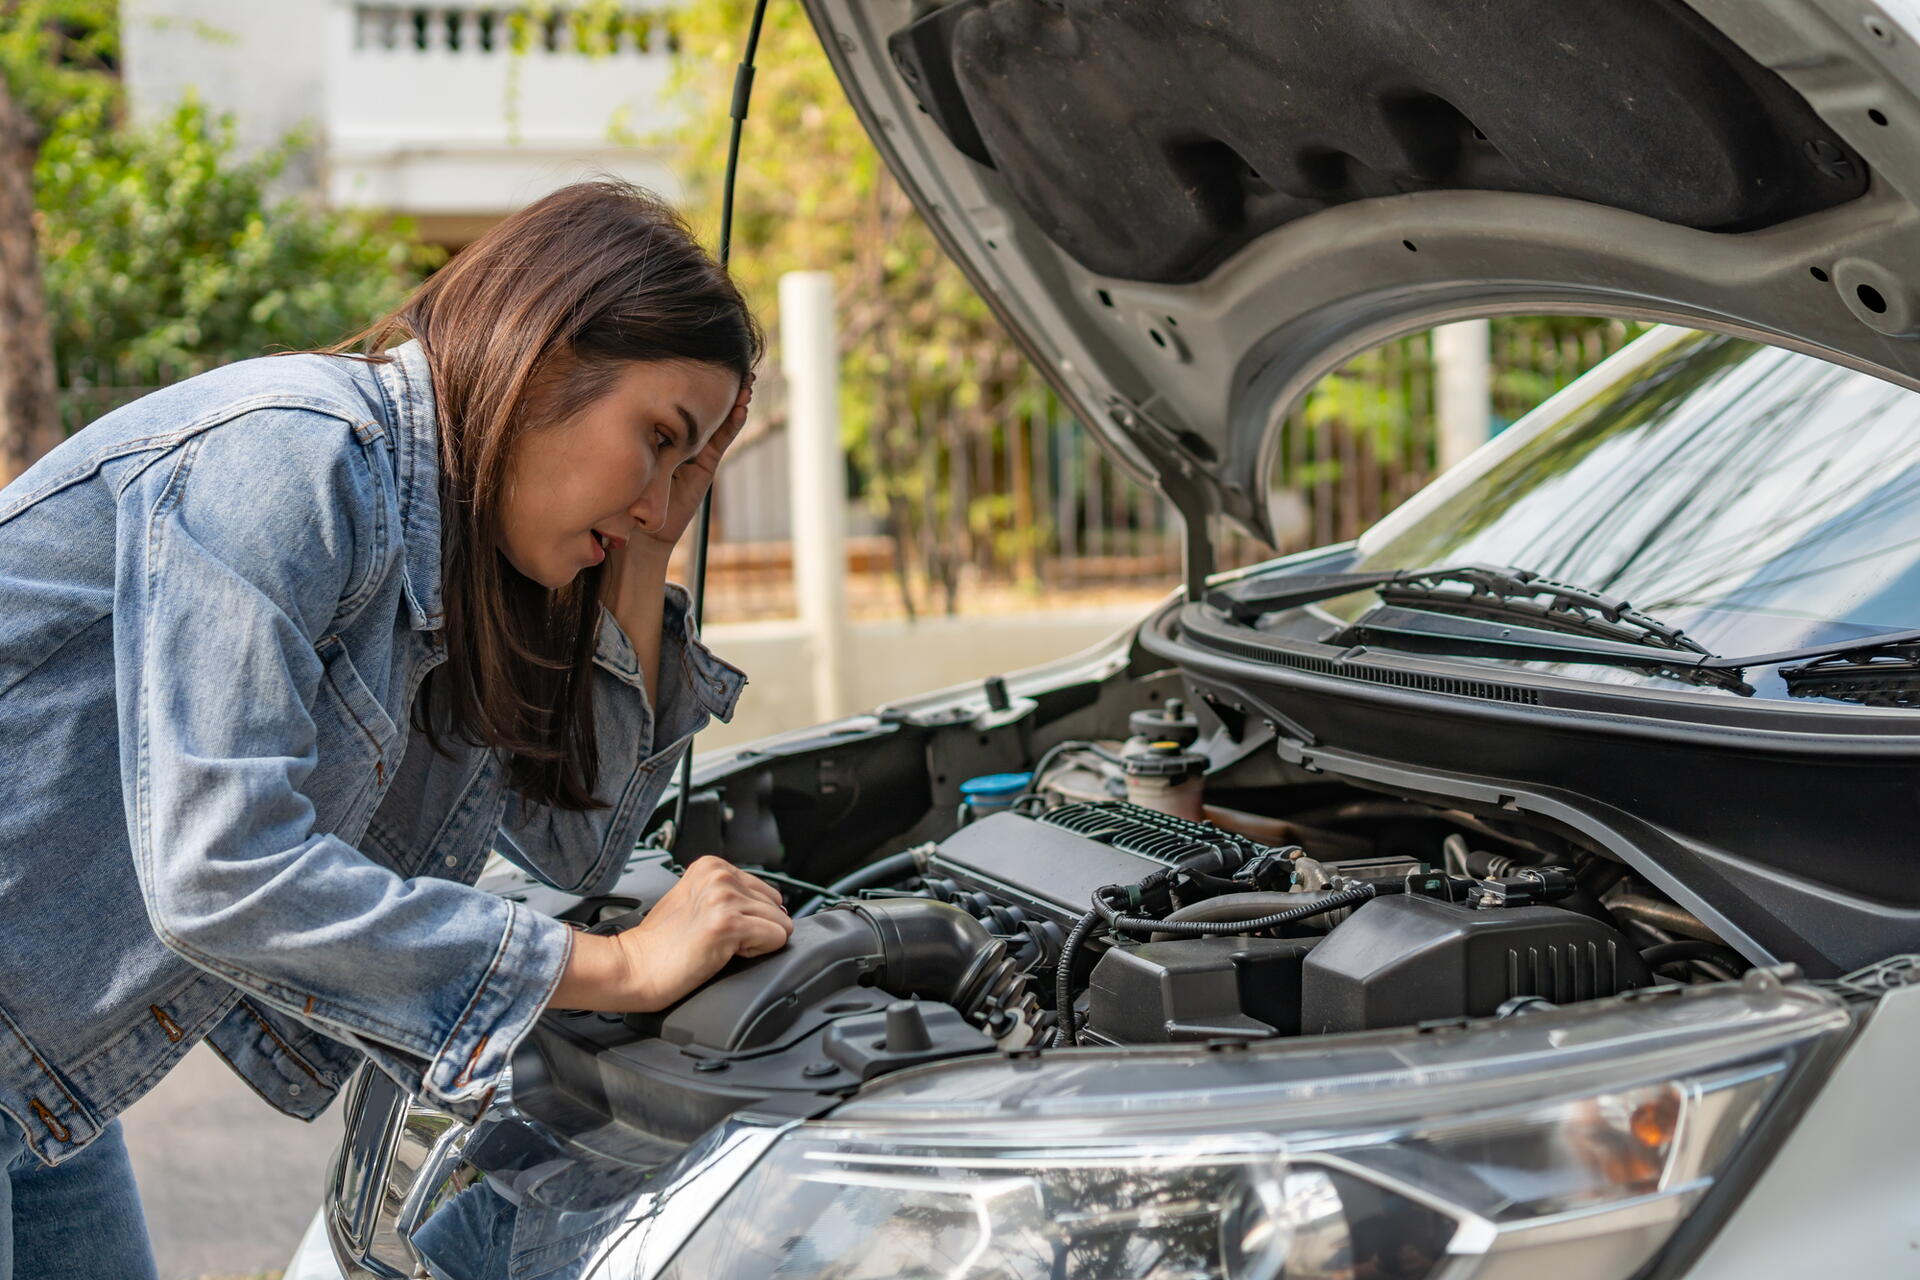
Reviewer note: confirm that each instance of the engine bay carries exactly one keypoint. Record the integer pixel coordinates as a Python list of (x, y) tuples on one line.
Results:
[(1121, 892)]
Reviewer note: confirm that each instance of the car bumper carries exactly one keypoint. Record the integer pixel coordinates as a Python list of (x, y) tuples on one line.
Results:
[(313, 1256)]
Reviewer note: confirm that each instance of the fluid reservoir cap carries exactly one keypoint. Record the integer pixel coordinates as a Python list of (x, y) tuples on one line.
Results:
[(1166, 759), (1170, 723), (991, 787)]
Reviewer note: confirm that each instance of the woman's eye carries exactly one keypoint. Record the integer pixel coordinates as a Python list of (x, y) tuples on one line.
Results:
[(661, 440)]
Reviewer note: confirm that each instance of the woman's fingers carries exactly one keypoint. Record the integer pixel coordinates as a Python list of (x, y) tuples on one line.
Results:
[(753, 909), (762, 939), (719, 870), (729, 432), (760, 888)]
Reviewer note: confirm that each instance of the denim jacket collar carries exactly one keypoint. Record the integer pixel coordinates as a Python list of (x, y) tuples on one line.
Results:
[(407, 384)]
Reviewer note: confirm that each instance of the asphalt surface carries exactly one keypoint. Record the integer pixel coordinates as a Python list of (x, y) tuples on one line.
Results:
[(228, 1183)]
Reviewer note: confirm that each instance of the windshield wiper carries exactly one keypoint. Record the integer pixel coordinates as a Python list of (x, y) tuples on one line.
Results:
[(1503, 613), (1517, 614), (1520, 595), (1493, 592), (1879, 673)]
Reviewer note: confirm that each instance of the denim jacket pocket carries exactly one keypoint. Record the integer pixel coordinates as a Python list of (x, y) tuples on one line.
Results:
[(357, 746)]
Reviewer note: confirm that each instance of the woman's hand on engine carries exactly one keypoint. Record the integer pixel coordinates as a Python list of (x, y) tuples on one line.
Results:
[(715, 913)]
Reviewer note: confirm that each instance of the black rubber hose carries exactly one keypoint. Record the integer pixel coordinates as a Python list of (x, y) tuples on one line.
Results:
[(1065, 1032), (874, 874), (1227, 928), (1694, 949), (1234, 907), (906, 947), (1597, 875), (926, 947)]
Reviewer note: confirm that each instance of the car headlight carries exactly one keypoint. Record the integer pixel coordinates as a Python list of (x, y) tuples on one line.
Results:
[(1575, 1140)]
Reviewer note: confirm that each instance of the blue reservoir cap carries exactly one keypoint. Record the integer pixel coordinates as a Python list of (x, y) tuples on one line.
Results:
[(995, 786)]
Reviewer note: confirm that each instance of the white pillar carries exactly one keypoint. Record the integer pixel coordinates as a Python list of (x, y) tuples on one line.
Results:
[(810, 358), (1463, 399)]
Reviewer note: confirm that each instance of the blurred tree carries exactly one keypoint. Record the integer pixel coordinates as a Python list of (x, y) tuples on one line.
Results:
[(126, 251), (926, 368), (162, 247), (54, 55)]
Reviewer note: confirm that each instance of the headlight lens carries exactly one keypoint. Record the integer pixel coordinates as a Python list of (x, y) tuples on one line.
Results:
[(1591, 1133)]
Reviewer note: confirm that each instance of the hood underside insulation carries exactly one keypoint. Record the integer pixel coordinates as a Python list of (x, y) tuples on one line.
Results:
[(1150, 140)]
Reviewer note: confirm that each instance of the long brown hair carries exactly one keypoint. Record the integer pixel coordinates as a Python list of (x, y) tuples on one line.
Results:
[(528, 325)]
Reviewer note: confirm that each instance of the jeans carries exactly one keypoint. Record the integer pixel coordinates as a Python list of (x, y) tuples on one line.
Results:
[(77, 1221)]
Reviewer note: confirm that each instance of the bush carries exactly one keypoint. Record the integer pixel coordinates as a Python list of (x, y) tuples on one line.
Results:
[(163, 248)]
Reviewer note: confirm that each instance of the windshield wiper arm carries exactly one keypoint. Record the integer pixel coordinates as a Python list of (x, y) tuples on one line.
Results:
[(1588, 625), (1251, 599), (1493, 592), (1520, 595), (1883, 672), (1445, 634)]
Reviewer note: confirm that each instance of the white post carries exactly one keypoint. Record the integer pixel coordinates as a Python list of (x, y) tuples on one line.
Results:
[(810, 358), (1463, 363)]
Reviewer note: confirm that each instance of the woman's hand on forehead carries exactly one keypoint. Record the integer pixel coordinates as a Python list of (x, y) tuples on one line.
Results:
[(695, 476)]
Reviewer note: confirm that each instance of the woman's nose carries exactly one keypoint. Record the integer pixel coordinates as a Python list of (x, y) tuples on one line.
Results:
[(650, 512)]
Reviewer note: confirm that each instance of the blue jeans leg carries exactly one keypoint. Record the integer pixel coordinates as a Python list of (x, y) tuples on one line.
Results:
[(79, 1220)]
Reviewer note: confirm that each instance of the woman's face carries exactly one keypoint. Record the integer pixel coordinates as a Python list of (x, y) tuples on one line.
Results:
[(608, 470)]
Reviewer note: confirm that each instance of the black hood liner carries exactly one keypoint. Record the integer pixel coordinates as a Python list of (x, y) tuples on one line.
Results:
[(1150, 139)]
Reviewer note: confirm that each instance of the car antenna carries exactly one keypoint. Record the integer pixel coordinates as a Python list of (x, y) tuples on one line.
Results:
[(742, 91)]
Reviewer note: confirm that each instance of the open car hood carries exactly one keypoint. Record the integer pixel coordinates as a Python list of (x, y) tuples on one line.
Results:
[(1187, 211)]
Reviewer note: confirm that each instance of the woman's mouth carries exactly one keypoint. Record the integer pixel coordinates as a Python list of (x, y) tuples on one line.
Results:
[(603, 543)]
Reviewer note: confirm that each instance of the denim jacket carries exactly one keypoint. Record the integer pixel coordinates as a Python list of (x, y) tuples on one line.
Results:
[(216, 607)]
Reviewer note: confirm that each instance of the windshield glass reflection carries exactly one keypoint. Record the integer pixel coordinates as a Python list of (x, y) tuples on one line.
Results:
[(1758, 498)]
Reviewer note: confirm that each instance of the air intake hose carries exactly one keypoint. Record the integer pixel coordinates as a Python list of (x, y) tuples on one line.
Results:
[(906, 947)]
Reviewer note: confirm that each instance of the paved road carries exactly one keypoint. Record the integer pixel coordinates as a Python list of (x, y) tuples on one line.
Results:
[(228, 1183)]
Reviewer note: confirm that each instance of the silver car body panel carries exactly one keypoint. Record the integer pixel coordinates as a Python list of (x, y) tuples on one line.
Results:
[(1194, 403)]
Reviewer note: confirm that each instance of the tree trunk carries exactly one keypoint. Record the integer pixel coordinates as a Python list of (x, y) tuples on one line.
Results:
[(29, 404)]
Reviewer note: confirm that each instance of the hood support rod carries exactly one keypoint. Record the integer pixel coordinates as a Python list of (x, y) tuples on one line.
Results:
[(742, 93)]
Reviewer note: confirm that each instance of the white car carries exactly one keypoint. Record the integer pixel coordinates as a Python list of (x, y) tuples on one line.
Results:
[(1410, 909)]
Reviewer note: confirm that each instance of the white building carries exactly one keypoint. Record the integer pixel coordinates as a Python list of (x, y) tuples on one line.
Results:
[(423, 109)]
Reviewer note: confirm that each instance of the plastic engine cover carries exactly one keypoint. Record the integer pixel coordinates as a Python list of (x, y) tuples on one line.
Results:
[(1407, 959), (1196, 989)]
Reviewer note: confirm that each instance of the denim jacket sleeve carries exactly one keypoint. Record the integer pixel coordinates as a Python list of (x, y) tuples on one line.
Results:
[(239, 551), (585, 852)]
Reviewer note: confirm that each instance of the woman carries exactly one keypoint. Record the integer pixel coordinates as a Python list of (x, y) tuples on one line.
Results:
[(287, 648)]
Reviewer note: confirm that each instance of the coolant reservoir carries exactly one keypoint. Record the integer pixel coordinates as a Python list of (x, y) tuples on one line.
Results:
[(1167, 777), (1168, 724)]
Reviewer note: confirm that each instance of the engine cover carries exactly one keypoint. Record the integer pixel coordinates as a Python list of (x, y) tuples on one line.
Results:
[(1409, 959), (1053, 865), (1198, 989), (859, 989)]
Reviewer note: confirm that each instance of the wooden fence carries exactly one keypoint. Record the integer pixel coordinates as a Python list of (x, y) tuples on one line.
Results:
[(1034, 515)]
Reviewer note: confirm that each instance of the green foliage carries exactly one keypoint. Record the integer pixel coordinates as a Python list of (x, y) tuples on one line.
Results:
[(60, 54), (161, 246), (1365, 437), (926, 369)]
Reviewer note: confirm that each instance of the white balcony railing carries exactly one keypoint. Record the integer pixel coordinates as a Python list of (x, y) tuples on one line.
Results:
[(474, 108)]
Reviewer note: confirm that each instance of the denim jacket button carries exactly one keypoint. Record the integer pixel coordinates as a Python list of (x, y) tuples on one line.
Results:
[(293, 1090), (452, 861)]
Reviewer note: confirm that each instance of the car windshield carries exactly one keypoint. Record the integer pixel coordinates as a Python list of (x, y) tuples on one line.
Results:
[(1760, 499)]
